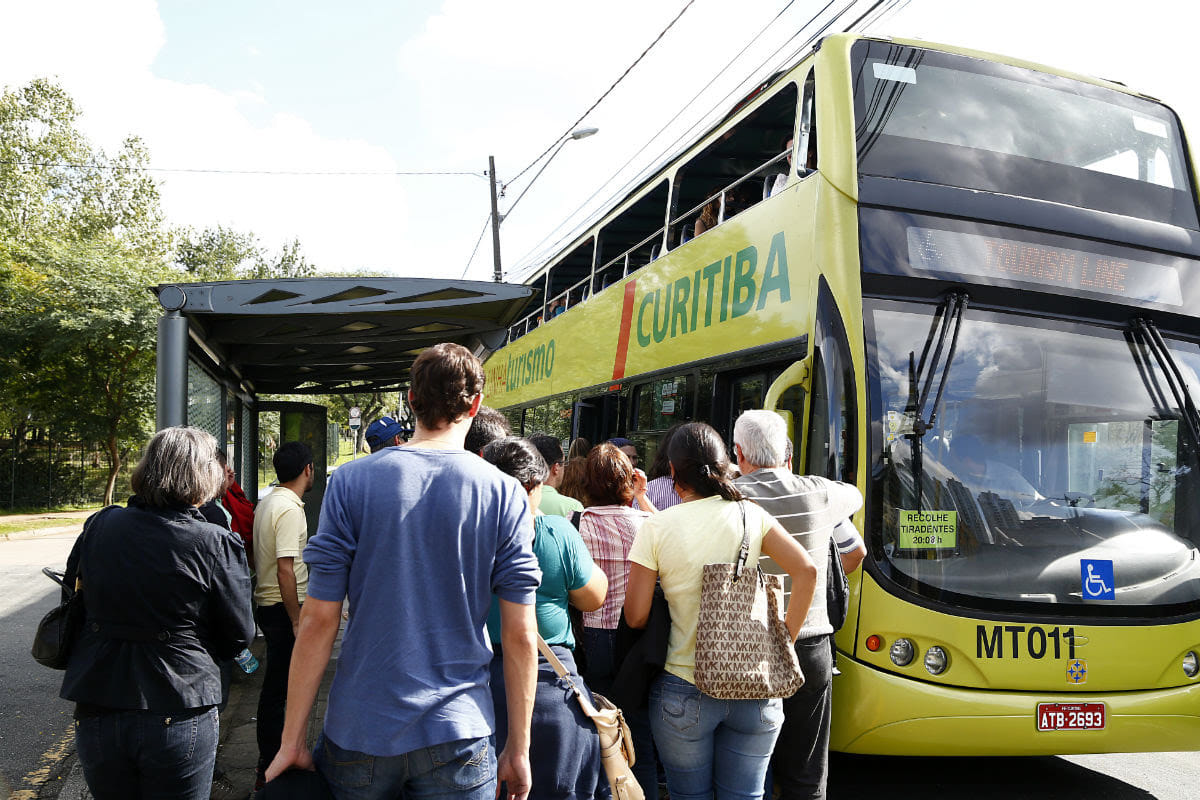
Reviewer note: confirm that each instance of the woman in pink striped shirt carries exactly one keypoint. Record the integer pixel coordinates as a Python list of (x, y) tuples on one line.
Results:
[(608, 526)]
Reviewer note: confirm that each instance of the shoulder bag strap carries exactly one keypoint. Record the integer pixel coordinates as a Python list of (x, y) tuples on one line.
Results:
[(744, 553), (584, 701)]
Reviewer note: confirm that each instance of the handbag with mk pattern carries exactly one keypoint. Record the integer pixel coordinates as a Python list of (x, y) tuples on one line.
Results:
[(743, 648)]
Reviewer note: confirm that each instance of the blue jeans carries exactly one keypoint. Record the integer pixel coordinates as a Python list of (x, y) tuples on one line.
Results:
[(462, 769), (600, 644), (711, 746), (148, 755)]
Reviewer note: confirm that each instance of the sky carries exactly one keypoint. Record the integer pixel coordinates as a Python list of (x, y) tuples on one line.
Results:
[(438, 86)]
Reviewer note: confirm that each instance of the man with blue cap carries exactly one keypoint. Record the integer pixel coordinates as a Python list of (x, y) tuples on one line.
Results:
[(386, 432)]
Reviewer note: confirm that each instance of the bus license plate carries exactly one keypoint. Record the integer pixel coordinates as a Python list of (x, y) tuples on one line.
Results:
[(1070, 716)]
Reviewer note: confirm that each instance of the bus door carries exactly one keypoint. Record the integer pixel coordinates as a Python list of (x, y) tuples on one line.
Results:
[(597, 419), (735, 392), (658, 405)]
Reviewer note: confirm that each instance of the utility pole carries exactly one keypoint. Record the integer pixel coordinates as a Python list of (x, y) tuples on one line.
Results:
[(495, 220)]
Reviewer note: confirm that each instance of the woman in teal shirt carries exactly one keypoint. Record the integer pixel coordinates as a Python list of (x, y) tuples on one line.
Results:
[(564, 748)]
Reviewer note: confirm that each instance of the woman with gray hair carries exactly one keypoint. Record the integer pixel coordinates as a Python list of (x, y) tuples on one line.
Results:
[(167, 595)]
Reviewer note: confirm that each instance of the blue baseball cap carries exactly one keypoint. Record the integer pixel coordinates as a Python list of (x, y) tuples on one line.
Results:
[(383, 430)]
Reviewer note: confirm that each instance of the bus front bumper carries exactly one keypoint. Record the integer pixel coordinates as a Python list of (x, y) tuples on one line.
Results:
[(880, 713)]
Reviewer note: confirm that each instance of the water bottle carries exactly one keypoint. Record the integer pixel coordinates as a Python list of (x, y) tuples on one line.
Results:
[(246, 661)]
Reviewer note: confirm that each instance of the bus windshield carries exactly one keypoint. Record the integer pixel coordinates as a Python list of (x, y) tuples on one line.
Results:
[(1056, 446), (929, 116)]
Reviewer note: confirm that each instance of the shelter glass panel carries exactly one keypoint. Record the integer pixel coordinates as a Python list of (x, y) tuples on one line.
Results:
[(204, 401)]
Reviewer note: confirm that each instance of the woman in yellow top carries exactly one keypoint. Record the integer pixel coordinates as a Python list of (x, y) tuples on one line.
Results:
[(708, 745)]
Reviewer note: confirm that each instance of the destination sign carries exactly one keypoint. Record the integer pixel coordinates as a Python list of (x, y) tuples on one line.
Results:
[(1078, 271)]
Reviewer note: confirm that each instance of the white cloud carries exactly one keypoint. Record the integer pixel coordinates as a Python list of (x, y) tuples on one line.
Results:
[(104, 58), (481, 78)]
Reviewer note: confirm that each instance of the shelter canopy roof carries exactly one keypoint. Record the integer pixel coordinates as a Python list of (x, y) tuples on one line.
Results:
[(334, 335)]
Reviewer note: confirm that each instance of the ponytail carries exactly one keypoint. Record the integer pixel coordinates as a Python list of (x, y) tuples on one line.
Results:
[(701, 463)]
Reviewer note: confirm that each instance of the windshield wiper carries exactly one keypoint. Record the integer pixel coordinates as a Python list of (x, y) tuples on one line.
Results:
[(949, 314), (1151, 339)]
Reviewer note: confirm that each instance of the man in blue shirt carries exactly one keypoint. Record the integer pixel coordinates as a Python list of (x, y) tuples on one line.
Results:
[(418, 538)]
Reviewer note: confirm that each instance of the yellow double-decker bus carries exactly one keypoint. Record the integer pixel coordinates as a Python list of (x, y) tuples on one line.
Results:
[(971, 284)]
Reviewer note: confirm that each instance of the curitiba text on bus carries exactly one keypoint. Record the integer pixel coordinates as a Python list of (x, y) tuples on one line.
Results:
[(522, 369), (721, 291)]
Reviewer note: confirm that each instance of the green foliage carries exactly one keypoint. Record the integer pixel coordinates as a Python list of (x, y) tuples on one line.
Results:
[(224, 254), (290, 263), (82, 240), (216, 254), (80, 245)]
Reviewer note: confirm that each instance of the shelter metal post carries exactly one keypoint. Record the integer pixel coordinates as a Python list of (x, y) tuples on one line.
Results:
[(171, 374)]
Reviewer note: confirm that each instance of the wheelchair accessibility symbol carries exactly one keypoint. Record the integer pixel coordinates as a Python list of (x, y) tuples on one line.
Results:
[(1097, 580)]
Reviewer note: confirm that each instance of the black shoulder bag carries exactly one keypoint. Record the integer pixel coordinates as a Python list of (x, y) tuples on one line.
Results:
[(58, 630), (837, 589)]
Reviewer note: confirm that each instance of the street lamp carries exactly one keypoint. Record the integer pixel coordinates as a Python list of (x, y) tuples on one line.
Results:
[(578, 133)]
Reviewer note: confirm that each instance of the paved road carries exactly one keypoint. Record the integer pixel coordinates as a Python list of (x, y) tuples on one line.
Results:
[(1141, 776), (35, 726)]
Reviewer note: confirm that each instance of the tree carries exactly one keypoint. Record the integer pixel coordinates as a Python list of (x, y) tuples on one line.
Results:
[(81, 242), (217, 253), (290, 263)]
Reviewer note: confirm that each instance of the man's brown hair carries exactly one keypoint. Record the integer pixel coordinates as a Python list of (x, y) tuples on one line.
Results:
[(609, 479), (445, 379)]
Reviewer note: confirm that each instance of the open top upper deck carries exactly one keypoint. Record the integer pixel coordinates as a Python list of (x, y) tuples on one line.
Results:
[(903, 118)]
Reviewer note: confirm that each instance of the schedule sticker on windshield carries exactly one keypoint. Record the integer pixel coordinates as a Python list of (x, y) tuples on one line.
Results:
[(927, 529)]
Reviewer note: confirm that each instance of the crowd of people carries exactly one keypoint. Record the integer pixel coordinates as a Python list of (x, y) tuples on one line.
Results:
[(451, 554)]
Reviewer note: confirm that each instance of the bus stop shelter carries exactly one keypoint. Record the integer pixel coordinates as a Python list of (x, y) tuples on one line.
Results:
[(222, 345)]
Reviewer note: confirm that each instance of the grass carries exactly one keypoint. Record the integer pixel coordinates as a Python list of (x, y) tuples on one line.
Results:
[(7, 528), (49, 511)]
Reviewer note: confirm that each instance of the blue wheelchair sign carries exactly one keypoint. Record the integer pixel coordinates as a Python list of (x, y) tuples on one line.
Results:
[(1097, 580)]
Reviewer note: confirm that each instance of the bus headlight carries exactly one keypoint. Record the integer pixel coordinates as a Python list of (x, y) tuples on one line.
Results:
[(1191, 664), (902, 652), (936, 660)]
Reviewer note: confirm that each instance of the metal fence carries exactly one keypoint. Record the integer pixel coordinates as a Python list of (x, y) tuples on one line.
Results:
[(42, 474)]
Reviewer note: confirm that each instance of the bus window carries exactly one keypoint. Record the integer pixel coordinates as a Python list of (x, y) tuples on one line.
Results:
[(1127, 465), (807, 143), (597, 418), (514, 417), (832, 443), (933, 117), (792, 401), (567, 280), (558, 421), (663, 402), (633, 239), (535, 420), (1054, 444), (737, 170)]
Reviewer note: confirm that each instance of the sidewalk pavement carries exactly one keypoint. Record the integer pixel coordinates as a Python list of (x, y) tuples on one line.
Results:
[(237, 748)]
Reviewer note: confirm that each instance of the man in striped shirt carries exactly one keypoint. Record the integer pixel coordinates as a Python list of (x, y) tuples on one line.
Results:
[(812, 509)]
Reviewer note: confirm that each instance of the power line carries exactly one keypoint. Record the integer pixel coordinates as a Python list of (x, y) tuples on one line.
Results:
[(193, 170), (607, 92), (717, 107), (684, 108), (486, 221)]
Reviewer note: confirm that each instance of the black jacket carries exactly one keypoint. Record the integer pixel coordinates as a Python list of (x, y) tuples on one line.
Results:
[(641, 654), (166, 593)]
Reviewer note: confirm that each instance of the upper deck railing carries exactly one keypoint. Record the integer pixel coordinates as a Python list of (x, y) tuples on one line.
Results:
[(584, 288)]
